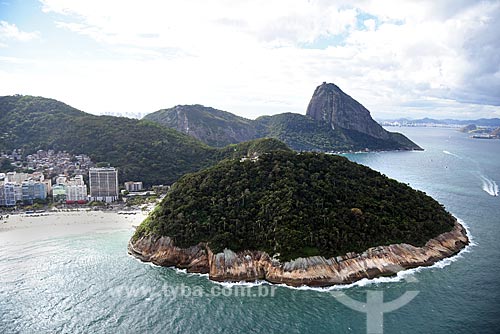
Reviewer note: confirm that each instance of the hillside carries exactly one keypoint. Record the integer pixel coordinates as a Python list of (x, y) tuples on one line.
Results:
[(214, 127), (295, 205), (142, 150), (352, 127)]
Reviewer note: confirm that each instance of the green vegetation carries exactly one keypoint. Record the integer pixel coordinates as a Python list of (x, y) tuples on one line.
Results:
[(300, 132), (214, 127), (295, 205), (5, 165), (305, 134), (142, 150), (140, 200)]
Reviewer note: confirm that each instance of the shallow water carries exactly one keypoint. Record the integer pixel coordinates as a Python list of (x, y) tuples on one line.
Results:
[(88, 283)]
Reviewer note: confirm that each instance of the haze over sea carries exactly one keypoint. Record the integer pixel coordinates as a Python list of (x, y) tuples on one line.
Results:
[(86, 282)]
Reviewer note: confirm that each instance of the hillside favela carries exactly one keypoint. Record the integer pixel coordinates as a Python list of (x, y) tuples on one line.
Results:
[(46, 177), (249, 167)]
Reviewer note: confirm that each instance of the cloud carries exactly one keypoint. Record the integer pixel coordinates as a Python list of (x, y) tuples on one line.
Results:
[(10, 31), (261, 57)]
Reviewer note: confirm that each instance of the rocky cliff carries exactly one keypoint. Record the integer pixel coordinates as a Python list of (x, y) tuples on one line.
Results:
[(311, 271), (330, 104)]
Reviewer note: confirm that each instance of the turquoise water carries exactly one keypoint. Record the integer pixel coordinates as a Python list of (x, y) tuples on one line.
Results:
[(88, 283)]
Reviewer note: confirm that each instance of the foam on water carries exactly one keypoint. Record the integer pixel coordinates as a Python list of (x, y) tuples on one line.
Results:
[(489, 185)]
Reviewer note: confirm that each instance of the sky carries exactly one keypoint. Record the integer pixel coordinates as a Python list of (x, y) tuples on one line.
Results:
[(413, 59)]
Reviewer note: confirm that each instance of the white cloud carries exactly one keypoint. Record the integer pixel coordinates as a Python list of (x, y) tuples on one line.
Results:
[(249, 57), (12, 32)]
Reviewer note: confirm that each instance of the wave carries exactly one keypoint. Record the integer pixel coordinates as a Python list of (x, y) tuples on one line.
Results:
[(489, 186), (452, 154)]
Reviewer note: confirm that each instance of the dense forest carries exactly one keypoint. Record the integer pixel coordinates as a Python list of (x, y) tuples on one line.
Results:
[(142, 150), (295, 204)]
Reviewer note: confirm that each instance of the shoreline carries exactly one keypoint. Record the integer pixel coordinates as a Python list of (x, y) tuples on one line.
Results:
[(21, 228), (317, 271)]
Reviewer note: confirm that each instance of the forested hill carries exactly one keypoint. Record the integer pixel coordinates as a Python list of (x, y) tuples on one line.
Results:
[(142, 150), (295, 205), (212, 126)]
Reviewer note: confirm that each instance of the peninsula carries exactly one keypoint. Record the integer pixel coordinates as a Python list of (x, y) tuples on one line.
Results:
[(295, 218)]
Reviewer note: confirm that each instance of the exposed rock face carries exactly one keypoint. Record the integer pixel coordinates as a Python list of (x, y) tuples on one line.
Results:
[(330, 104), (161, 251), (311, 271)]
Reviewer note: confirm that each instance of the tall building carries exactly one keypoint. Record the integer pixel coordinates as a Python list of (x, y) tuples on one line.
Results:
[(103, 184)]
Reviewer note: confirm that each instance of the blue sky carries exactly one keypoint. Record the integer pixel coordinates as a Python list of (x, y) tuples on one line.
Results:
[(398, 58)]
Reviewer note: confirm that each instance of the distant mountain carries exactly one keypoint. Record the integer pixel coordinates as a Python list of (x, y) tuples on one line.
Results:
[(334, 122), (489, 122), (468, 128), (142, 150)]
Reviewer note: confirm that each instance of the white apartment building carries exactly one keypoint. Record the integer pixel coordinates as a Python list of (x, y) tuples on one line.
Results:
[(76, 192)]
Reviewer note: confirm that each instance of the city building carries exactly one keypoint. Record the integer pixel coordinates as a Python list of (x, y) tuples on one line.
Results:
[(103, 184), (10, 194), (132, 186), (76, 193), (59, 192), (14, 177), (32, 190)]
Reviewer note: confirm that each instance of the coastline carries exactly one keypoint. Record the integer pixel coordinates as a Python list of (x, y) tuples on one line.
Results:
[(317, 271), (18, 228)]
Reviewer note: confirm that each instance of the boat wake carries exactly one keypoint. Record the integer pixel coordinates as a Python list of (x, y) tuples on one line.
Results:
[(452, 154), (489, 186)]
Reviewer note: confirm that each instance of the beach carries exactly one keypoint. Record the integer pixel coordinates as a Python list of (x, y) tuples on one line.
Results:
[(21, 228)]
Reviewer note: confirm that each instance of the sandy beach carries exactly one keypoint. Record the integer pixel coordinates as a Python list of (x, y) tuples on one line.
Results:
[(24, 228)]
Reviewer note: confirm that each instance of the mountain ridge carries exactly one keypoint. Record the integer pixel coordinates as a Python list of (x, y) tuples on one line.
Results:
[(141, 149), (311, 132)]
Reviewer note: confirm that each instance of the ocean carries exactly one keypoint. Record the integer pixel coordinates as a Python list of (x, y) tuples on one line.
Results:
[(87, 283)]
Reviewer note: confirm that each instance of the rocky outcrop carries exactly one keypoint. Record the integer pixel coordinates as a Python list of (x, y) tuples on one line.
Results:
[(162, 252), (330, 104), (311, 271)]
